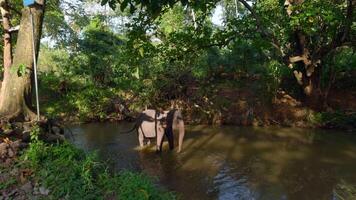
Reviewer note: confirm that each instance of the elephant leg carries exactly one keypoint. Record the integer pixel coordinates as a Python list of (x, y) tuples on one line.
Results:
[(160, 134), (140, 138), (169, 133)]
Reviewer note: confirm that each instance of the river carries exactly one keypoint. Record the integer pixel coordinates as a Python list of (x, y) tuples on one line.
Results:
[(232, 162)]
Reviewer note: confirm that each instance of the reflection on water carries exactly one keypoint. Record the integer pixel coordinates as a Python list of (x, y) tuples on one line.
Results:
[(237, 163)]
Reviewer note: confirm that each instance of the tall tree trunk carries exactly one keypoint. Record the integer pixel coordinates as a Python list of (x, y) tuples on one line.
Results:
[(308, 69), (7, 49), (312, 89), (307, 72), (16, 90)]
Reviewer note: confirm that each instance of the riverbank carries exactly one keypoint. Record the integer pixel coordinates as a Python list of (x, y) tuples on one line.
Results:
[(243, 99), (39, 170), (228, 107)]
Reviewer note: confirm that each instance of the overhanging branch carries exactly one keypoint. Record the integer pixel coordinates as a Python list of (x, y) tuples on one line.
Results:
[(343, 36), (273, 40)]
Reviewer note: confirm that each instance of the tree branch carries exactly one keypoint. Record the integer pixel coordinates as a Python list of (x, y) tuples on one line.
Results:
[(343, 36), (349, 14), (273, 40)]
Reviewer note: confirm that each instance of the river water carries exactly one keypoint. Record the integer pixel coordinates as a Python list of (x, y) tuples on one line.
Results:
[(236, 162)]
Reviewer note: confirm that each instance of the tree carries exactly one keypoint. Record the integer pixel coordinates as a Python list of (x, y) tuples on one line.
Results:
[(303, 33), (63, 22), (7, 47), (16, 90), (99, 44)]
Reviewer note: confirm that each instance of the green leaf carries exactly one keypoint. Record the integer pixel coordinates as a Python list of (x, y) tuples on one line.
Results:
[(132, 8), (123, 5), (103, 2), (141, 50), (21, 70), (137, 73), (112, 5)]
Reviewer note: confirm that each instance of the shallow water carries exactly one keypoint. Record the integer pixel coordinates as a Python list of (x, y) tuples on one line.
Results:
[(236, 163)]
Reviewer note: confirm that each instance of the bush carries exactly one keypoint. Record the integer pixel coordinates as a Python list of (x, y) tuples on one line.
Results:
[(338, 119), (92, 102), (73, 97), (71, 174)]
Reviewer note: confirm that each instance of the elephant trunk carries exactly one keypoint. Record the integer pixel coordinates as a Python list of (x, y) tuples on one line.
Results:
[(181, 135)]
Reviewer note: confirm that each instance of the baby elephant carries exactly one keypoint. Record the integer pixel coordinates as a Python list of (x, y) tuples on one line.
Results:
[(154, 124)]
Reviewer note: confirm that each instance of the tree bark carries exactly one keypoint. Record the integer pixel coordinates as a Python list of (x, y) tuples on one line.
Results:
[(308, 69), (16, 90), (7, 54)]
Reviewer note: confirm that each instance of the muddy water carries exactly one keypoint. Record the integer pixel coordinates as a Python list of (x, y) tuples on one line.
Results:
[(237, 163)]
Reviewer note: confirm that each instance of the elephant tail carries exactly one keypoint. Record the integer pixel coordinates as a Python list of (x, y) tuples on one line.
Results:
[(134, 127), (128, 131)]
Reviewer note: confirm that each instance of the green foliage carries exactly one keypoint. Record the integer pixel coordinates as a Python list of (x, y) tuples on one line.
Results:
[(139, 186), (157, 55), (154, 8), (53, 61), (158, 71), (312, 14), (339, 69), (101, 55), (34, 134), (337, 119), (20, 70), (35, 153), (91, 102), (62, 22), (7, 183), (69, 173), (76, 98), (172, 21)]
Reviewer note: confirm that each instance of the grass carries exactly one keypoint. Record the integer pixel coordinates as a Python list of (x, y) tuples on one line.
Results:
[(8, 182), (69, 173)]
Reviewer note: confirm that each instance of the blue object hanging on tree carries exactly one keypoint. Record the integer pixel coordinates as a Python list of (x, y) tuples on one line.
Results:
[(29, 2)]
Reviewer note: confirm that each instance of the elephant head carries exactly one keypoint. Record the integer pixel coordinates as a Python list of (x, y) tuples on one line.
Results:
[(155, 124)]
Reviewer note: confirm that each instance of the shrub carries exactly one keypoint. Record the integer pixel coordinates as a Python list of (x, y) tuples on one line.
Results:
[(71, 174), (337, 119)]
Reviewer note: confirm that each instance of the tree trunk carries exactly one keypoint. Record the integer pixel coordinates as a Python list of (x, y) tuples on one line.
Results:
[(308, 69), (7, 54), (312, 89), (307, 72), (16, 90)]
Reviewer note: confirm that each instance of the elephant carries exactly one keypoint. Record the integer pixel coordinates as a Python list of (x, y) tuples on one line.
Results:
[(154, 124)]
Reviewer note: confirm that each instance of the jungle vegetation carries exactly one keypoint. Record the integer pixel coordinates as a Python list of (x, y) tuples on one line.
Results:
[(98, 56), (245, 62)]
